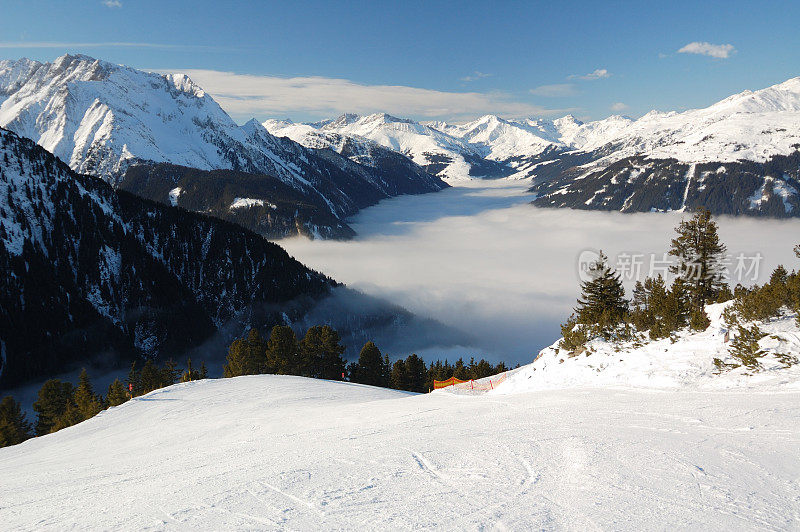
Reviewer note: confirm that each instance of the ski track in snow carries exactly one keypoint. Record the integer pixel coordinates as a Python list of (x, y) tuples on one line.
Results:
[(269, 452)]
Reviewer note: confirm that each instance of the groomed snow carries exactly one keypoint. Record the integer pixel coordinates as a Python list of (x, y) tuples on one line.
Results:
[(279, 452)]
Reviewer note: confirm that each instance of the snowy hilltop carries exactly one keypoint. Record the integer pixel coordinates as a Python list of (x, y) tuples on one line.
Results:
[(685, 361)]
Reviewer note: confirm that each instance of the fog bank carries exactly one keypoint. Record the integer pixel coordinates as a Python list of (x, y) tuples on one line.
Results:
[(481, 259)]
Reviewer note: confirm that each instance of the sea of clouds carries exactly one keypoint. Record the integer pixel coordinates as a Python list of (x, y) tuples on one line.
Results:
[(481, 259)]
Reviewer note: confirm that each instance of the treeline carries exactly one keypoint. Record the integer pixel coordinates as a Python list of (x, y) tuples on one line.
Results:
[(657, 310), (61, 404), (319, 355)]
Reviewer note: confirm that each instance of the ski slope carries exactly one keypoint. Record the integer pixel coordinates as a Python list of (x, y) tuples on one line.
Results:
[(280, 452)]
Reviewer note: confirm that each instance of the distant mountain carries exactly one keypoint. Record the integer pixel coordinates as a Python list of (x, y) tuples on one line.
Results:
[(104, 119), (738, 156), (439, 153), (93, 272)]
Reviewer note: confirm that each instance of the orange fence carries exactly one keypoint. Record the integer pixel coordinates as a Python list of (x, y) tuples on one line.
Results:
[(489, 383), (449, 382)]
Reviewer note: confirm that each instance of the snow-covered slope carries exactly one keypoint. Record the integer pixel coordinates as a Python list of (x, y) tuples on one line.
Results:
[(278, 452), (751, 125), (686, 363)]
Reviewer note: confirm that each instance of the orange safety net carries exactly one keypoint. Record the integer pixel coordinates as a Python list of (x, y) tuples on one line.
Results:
[(489, 383), (449, 382)]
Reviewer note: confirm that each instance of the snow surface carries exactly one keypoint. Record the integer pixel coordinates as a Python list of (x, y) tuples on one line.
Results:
[(660, 446), (174, 195), (685, 362), (246, 203)]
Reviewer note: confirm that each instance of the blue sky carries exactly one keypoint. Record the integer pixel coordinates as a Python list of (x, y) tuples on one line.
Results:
[(425, 60)]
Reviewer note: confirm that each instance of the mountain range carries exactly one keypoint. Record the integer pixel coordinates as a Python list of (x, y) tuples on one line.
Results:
[(163, 137), (737, 156), (104, 119)]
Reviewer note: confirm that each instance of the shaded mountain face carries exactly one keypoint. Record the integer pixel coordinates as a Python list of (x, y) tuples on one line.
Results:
[(90, 272), (639, 184), (104, 119), (260, 203)]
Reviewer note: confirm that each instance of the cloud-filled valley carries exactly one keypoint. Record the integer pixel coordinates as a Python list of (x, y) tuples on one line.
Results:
[(481, 259)]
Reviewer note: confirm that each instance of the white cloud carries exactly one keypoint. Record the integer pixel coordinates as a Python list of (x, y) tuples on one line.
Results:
[(555, 91), (475, 75), (112, 3), (618, 106), (720, 51), (599, 73), (244, 96)]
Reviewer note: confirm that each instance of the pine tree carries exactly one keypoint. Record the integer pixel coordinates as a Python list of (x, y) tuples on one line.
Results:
[(169, 373), (150, 377), (246, 356), (700, 255), (14, 428), (321, 354), (71, 416), (54, 398), (369, 368), (87, 402), (282, 352), (415, 373), (116, 394), (332, 365), (602, 305), (203, 370), (190, 374), (745, 348), (398, 378)]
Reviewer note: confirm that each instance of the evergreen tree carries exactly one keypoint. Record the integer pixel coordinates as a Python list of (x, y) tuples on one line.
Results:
[(656, 309), (460, 371), (246, 356), (398, 378), (14, 428), (282, 352), (71, 416), (416, 373), (190, 374), (169, 373), (116, 394), (745, 348), (150, 377), (321, 354), (602, 305), (203, 370), (700, 254), (87, 402), (54, 398), (332, 365), (370, 366)]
